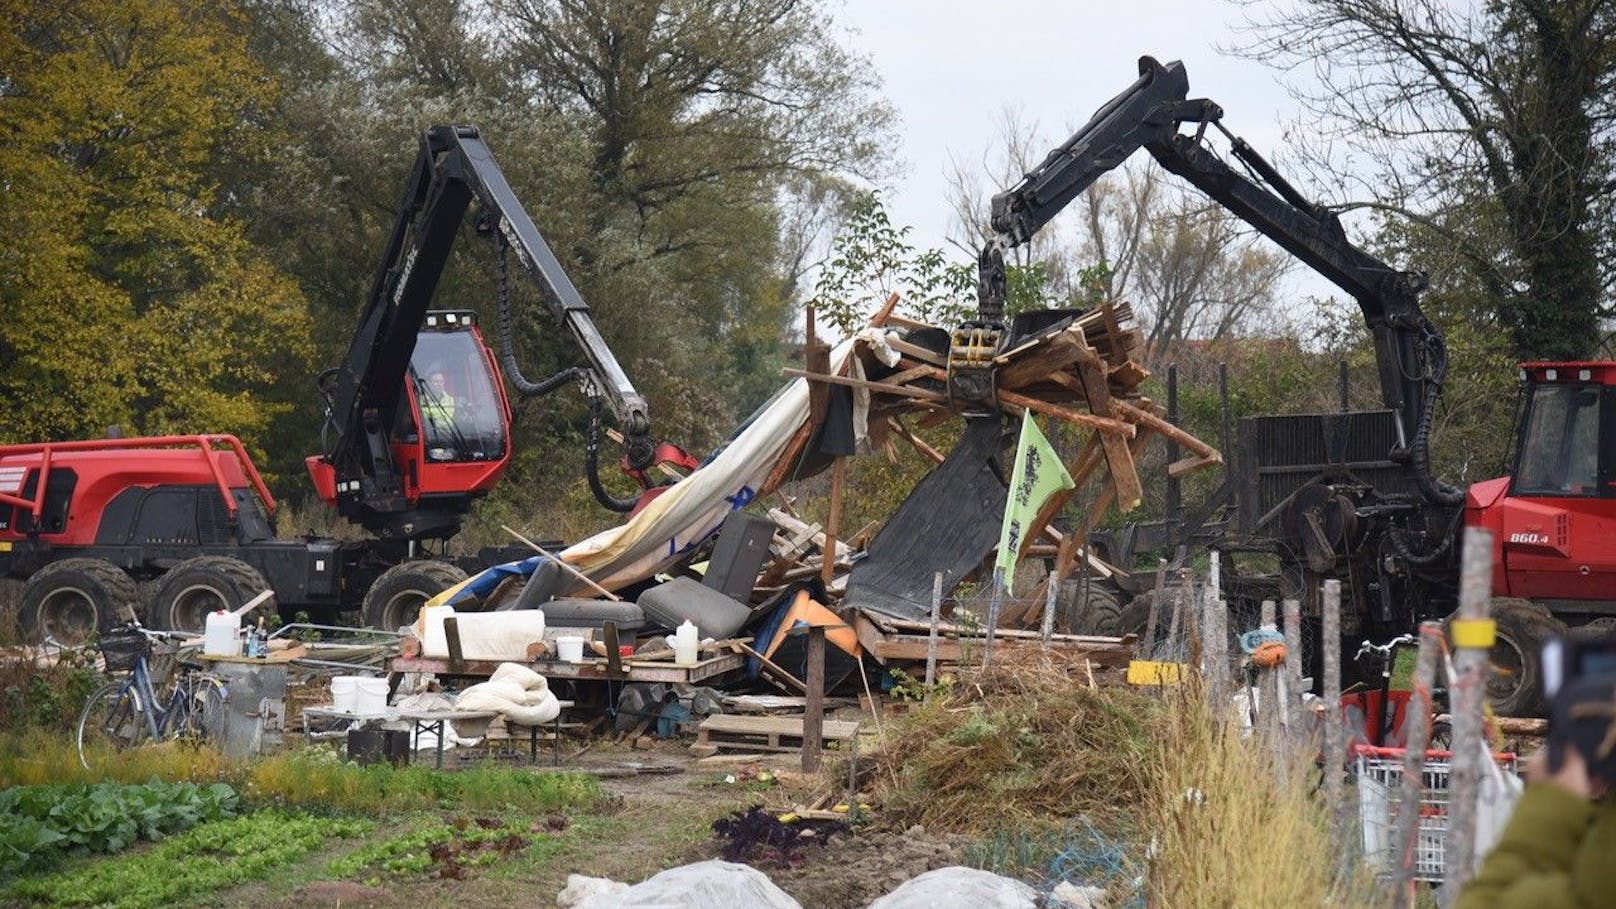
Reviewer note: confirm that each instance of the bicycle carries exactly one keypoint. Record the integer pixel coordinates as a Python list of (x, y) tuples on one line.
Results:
[(127, 712)]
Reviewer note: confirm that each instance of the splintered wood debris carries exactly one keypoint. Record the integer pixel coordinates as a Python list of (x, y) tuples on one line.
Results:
[(1077, 368)]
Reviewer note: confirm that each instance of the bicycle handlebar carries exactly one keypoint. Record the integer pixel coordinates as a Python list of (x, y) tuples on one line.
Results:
[(1383, 649)]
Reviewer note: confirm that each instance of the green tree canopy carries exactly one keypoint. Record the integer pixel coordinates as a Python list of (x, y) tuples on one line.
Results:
[(130, 297)]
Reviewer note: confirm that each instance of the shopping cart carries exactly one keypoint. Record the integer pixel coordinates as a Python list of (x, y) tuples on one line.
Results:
[(1380, 795)]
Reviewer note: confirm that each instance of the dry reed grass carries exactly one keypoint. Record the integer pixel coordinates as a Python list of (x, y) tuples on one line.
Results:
[(1232, 831), (1023, 743)]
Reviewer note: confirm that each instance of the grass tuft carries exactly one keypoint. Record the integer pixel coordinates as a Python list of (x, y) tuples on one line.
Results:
[(1021, 743)]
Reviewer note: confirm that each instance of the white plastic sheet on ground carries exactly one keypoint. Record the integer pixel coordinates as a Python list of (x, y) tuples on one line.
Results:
[(518, 693), (956, 887), (703, 885)]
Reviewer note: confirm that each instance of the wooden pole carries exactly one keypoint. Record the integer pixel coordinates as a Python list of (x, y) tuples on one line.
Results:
[(813, 717), (568, 568), (1147, 646), (1466, 690), (1051, 585), (1335, 743), (1405, 838), (1291, 611), (833, 523), (931, 638)]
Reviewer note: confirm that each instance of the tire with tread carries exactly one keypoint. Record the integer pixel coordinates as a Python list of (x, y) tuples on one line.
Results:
[(198, 586), (398, 594), (72, 600), (1100, 615), (1516, 684)]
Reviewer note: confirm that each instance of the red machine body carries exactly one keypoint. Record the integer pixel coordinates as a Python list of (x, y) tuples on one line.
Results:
[(1554, 520)]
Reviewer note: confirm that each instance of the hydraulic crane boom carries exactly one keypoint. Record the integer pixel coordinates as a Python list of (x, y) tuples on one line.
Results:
[(365, 394), (1409, 352)]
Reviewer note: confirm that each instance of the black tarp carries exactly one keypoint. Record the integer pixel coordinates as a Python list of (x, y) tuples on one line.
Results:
[(949, 523)]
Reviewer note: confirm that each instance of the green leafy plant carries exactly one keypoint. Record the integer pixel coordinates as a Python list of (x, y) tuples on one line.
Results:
[(38, 824), (206, 858)]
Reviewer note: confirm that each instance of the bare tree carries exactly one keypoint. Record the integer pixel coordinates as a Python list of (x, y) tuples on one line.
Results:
[(1485, 127)]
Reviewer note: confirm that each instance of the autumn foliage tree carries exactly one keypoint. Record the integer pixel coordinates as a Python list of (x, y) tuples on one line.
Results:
[(129, 296)]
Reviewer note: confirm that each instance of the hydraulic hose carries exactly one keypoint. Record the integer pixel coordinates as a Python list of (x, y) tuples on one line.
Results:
[(592, 466)]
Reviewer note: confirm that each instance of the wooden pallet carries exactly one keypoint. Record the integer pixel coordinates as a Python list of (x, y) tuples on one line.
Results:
[(765, 733)]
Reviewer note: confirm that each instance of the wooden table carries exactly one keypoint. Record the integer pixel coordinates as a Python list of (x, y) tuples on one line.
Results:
[(591, 669)]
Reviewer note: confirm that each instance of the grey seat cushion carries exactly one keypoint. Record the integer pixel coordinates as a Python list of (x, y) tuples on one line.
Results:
[(571, 612), (714, 614)]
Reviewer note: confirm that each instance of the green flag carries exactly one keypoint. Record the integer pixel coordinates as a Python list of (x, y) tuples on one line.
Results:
[(1037, 475)]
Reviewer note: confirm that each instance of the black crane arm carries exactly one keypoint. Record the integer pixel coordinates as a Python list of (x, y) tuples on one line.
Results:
[(453, 168), (1147, 111), (1409, 350)]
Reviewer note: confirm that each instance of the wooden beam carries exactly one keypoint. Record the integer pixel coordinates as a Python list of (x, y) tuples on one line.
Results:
[(879, 318), (833, 524), (919, 394), (1104, 424), (1118, 459), (788, 459), (1146, 418)]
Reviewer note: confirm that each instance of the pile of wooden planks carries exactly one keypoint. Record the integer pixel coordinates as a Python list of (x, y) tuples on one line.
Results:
[(1080, 369)]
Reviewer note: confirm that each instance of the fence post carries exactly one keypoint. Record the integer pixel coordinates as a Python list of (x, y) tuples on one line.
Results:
[(1147, 647), (1472, 636), (995, 603), (1291, 612), (1406, 838), (1335, 744), (936, 619)]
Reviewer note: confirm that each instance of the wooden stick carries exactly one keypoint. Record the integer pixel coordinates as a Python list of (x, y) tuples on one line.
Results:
[(575, 572), (919, 394), (1146, 418), (1466, 689), (833, 524), (880, 316), (788, 459), (935, 456)]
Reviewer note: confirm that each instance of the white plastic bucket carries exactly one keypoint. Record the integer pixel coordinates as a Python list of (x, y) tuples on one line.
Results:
[(345, 693), (371, 697), (570, 649)]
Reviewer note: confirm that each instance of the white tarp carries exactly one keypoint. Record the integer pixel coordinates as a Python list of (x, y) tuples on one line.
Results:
[(703, 885), (957, 887), (691, 510)]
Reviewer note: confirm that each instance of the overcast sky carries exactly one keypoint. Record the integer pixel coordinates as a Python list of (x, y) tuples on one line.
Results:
[(950, 67)]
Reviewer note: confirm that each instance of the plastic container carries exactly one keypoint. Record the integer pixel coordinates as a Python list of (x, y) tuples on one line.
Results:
[(685, 643), (371, 696), (221, 636), (570, 649), (345, 693)]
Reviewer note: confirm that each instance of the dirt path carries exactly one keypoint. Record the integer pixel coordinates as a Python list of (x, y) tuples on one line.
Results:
[(656, 821)]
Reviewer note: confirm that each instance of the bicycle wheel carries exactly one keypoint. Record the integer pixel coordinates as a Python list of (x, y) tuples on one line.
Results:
[(113, 719), (203, 705)]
